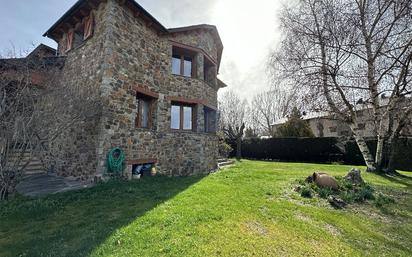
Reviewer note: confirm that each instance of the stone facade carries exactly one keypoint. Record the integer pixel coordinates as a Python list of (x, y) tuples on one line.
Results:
[(130, 54), (326, 125)]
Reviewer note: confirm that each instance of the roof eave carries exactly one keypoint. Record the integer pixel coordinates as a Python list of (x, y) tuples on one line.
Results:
[(79, 4)]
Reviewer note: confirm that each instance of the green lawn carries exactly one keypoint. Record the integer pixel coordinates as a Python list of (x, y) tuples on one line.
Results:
[(247, 210)]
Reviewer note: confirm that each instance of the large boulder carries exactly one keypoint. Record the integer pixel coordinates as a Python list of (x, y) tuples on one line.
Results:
[(354, 176), (324, 180)]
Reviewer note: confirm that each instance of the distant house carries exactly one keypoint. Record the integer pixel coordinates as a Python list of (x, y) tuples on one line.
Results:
[(324, 124), (158, 89)]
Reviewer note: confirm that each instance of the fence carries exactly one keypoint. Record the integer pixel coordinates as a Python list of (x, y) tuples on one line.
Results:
[(319, 150)]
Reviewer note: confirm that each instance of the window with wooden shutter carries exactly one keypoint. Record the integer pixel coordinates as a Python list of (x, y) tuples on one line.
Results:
[(88, 26), (69, 41), (145, 111)]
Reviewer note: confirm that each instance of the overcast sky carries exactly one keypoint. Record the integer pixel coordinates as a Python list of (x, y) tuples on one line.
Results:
[(248, 30)]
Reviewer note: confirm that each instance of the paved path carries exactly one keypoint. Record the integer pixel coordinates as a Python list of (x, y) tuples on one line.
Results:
[(44, 184)]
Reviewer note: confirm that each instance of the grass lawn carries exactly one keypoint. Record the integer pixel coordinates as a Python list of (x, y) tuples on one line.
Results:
[(249, 209)]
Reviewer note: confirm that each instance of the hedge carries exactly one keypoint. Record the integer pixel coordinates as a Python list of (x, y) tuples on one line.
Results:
[(319, 150)]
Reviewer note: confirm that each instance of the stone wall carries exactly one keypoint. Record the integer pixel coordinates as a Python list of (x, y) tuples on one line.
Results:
[(138, 56), (74, 151), (124, 54)]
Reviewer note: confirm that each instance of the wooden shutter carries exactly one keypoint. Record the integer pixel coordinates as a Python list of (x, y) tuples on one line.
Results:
[(69, 41), (88, 26), (62, 49)]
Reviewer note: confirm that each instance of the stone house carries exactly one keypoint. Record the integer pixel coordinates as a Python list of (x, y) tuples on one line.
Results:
[(158, 89), (324, 124)]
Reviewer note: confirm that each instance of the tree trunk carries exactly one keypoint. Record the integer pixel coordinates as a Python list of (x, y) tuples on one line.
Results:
[(380, 153), (363, 147), (391, 154), (4, 192), (239, 148)]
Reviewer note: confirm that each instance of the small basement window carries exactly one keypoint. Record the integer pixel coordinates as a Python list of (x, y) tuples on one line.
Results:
[(143, 170), (183, 62)]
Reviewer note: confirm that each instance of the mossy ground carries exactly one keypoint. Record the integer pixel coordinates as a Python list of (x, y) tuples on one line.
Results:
[(249, 209)]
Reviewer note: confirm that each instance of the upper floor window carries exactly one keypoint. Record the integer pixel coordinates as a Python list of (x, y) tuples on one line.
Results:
[(182, 117), (209, 71), (210, 120), (75, 37), (183, 62), (144, 111)]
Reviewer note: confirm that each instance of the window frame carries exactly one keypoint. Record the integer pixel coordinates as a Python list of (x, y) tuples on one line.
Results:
[(83, 30), (181, 116), (184, 54), (207, 65), (207, 110), (139, 115)]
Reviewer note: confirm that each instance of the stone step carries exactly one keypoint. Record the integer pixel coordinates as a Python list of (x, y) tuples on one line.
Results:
[(24, 159), (222, 160), (227, 163), (34, 172), (31, 163), (17, 154), (34, 168)]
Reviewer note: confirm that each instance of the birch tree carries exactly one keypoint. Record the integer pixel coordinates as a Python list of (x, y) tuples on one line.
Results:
[(346, 50)]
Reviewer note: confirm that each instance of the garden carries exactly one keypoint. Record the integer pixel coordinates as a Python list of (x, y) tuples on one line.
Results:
[(250, 209)]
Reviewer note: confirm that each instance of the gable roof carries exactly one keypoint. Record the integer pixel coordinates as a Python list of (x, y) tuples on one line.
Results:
[(214, 31), (89, 4), (69, 17), (198, 27), (43, 51)]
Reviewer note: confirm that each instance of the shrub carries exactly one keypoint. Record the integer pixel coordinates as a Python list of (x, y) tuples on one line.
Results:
[(344, 184), (325, 192), (306, 192), (382, 200), (224, 148), (347, 192)]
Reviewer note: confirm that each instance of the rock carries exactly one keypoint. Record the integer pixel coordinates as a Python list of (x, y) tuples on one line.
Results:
[(354, 176), (336, 202), (309, 179), (324, 180)]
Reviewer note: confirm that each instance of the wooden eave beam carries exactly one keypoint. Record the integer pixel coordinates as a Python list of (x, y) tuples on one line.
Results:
[(92, 4)]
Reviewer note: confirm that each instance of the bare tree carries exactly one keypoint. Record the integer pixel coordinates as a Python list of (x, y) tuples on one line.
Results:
[(36, 108), (269, 106), (342, 51), (16, 119), (232, 119)]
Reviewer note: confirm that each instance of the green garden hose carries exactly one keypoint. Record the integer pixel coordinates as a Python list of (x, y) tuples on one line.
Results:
[(115, 161)]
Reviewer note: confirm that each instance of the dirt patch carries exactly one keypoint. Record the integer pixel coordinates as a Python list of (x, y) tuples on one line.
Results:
[(256, 228), (303, 217), (332, 229)]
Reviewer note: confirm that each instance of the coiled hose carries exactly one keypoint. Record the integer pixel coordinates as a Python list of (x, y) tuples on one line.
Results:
[(115, 161)]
